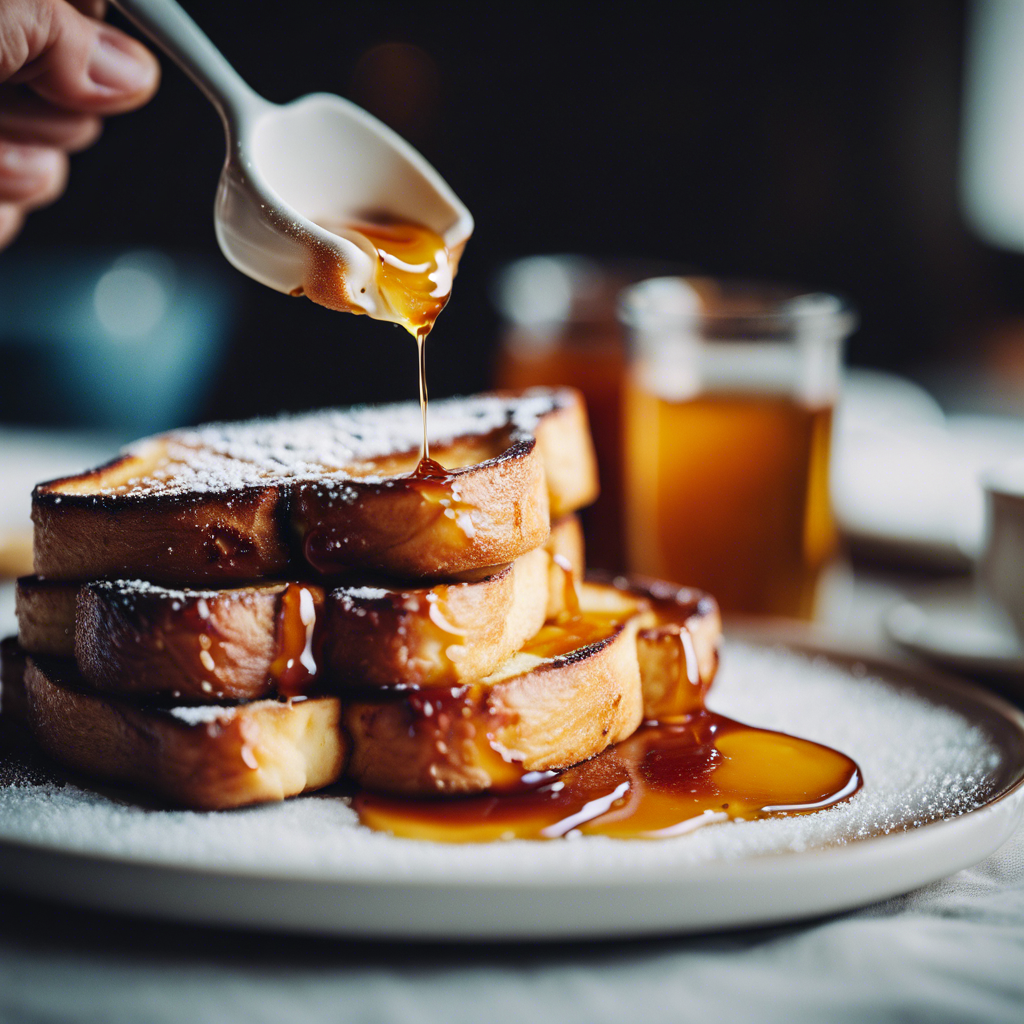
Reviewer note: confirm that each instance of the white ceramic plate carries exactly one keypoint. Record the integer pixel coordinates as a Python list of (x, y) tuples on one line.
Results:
[(956, 626), (943, 767)]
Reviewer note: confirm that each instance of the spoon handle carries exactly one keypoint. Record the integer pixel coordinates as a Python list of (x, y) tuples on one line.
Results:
[(170, 27)]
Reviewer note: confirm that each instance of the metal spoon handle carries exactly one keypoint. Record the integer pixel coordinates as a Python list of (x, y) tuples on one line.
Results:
[(170, 27)]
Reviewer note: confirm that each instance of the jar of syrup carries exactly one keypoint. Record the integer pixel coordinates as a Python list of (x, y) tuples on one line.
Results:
[(728, 419)]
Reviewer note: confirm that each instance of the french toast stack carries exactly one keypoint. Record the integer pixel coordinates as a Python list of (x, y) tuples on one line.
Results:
[(243, 612)]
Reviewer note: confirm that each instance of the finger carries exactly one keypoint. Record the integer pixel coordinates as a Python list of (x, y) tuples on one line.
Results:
[(31, 176), (25, 117), (52, 189), (11, 219), (90, 8), (73, 61)]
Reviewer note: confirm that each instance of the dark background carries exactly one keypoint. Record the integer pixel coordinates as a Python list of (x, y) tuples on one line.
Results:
[(813, 143)]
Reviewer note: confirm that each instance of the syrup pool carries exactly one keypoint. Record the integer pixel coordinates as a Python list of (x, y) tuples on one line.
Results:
[(667, 779)]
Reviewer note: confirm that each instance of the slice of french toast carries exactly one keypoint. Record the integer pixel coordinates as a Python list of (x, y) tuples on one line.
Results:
[(332, 491), (574, 689), (571, 691), (248, 643), (206, 757)]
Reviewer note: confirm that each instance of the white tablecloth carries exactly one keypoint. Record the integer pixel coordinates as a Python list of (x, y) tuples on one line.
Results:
[(953, 951)]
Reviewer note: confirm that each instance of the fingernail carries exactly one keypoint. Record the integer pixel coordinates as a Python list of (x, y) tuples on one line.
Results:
[(115, 67), (28, 161)]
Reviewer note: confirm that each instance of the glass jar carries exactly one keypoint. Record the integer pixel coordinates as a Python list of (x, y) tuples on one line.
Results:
[(728, 408)]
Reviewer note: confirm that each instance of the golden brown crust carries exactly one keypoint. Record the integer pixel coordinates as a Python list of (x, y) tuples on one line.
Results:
[(450, 634), (192, 645), (677, 645), (251, 753), (170, 538), (567, 451), (678, 655), (135, 518), (406, 526), (447, 635), (136, 638)]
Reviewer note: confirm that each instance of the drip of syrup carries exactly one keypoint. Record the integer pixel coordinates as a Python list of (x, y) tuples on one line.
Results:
[(429, 470), (687, 689), (570, 596), (573, 627), (440, 491), (414, 277), (426, 463), (295, 668), (437, 486)]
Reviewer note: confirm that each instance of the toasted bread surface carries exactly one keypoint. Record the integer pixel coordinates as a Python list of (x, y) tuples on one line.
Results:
[(678, 655), (254, 642), (207, 757), (331, 491), (582, 683), (678, 650)]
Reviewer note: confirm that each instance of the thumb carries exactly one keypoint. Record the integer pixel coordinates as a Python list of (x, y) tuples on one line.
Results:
[(73, 61)]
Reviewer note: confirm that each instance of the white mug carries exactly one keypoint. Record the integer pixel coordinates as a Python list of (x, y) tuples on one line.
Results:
[(1002, 563)]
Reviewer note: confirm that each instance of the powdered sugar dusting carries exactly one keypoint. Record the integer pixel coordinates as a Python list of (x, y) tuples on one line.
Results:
[(348, 595), (202, 714), (920, 761), (329, 446), (143, 588)]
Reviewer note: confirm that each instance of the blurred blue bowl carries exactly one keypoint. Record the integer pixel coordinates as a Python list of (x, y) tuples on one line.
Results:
[(122, 340)]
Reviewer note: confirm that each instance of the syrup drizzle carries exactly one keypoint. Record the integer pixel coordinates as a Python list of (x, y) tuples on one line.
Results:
[(414, 277), (437, 486), (570, 633), (296, 666), (570, 596), (573, 627), (421, 352), (673, 775)]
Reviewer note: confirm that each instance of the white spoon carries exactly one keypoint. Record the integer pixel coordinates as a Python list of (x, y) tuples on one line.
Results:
[(319, 158)]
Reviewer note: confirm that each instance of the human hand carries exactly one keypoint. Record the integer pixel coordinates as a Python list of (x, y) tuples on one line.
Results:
[(61, 70)]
